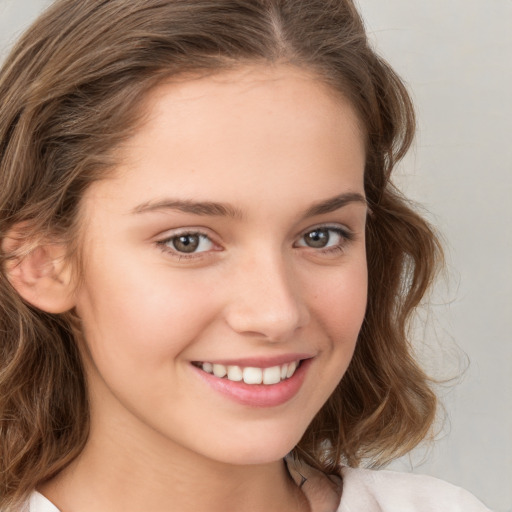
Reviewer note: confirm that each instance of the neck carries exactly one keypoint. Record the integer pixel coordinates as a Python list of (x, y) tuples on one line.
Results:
[(116, 472)]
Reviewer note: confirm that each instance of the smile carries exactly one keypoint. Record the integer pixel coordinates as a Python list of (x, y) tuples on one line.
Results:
[(250, 375), (256, 383)]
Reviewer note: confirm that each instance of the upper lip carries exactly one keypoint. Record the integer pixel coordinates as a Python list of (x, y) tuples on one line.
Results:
[(259, 362)]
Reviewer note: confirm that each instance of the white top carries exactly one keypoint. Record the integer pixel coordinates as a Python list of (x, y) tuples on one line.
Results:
[(389, 491), (361, 491)]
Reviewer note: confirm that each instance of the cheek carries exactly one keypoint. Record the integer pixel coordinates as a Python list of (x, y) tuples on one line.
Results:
[(337, 304), (139, 318), (340, 303)]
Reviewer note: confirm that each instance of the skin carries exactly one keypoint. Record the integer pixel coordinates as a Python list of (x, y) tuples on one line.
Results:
[(270, 142)]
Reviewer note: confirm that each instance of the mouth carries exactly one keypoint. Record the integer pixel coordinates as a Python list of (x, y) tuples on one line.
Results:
[(256, 382), (251, 375)]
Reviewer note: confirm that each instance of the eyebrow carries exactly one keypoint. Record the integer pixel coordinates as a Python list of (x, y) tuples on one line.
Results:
[(214, 209), (208, 208), (335, 203)]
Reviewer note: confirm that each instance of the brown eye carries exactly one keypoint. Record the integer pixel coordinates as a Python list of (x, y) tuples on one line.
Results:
[(318, 238), (326, 237), (189, 243), (186, 243)]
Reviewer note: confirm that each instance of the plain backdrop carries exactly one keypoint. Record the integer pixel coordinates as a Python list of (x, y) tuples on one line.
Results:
[(456, 57)]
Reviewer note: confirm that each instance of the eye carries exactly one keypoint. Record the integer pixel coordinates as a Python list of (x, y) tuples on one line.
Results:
[(188, 243), (324, 238)]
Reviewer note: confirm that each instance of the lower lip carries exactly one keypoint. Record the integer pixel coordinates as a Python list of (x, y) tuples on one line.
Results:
[(258, 395)]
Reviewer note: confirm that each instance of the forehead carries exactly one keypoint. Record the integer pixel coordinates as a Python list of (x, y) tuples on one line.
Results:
[(256, 129), (271, 87)]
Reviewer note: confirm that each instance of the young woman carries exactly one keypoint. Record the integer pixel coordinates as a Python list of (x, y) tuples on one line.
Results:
[(207, 273)]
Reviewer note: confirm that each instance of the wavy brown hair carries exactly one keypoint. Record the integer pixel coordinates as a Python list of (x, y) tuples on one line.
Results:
[(71, 91)]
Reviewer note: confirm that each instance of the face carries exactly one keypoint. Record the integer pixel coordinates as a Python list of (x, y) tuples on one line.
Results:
[(225, 270)]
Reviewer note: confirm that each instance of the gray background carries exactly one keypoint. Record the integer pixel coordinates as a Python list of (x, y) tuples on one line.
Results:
[(456, 57)]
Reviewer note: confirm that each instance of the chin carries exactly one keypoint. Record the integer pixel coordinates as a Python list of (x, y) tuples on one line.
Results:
[(258, 448)]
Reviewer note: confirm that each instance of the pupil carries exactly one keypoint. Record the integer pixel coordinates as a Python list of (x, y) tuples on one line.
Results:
[(186, 243), (318, 238)]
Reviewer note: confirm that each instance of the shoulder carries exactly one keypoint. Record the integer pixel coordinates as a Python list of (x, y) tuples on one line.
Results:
[(371, 491), (38, 503), (390, 491)]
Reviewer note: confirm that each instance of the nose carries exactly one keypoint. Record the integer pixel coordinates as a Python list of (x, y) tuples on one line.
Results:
[(265, 300)]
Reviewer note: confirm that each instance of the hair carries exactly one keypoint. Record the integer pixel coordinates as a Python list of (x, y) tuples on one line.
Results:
[(72, 90)]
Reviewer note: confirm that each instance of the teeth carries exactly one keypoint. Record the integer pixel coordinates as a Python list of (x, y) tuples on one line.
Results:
[(272, 375), (251, 375), (291, 369), (219, 370), (235, 373)]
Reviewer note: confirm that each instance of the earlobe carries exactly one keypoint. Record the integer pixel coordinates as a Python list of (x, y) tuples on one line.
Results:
[(42, 277)]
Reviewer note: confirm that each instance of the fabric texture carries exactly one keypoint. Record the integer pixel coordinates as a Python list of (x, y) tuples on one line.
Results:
[(390, 491), (38, 503), (361, 490)]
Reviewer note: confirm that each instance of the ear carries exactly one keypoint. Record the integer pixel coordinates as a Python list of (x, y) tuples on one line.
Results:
[(42, 276)]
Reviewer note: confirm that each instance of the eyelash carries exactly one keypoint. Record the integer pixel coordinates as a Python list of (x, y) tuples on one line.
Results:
[(165, 245), (346, 235)]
